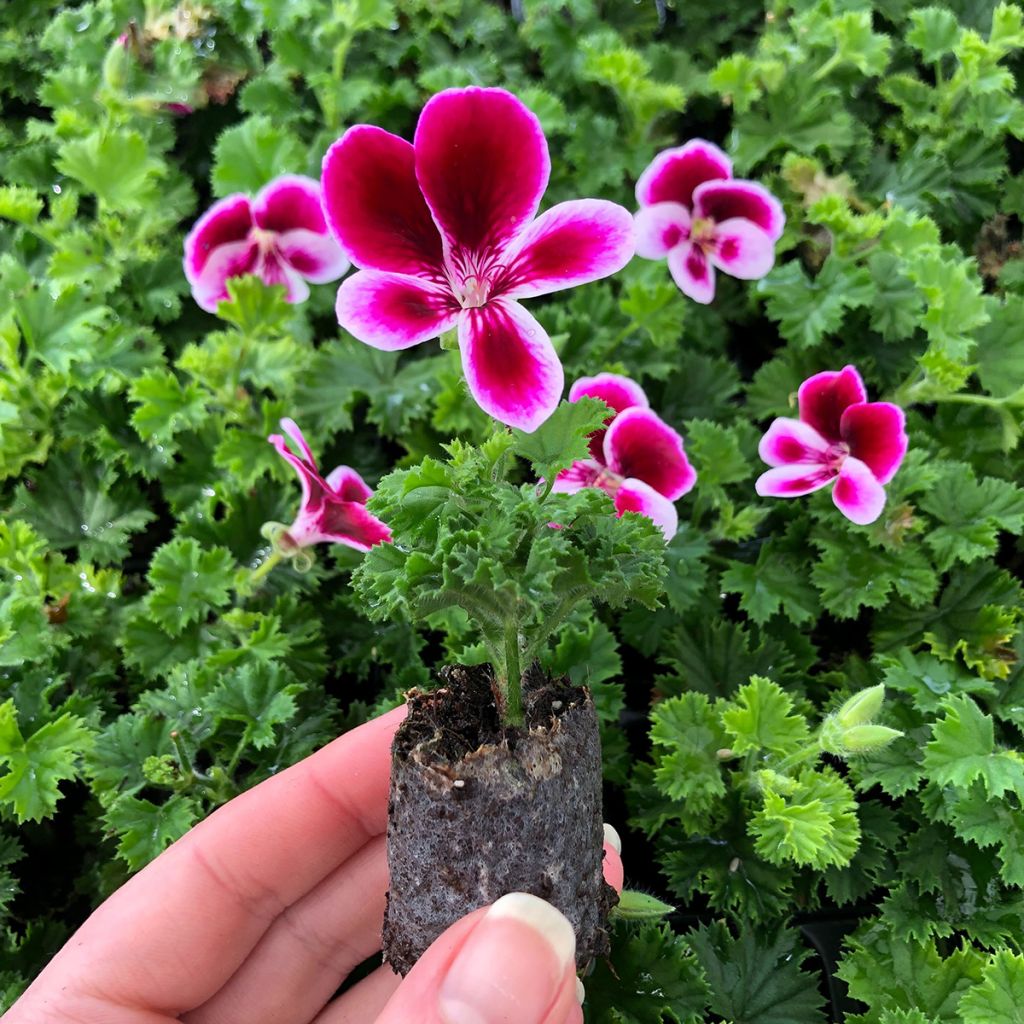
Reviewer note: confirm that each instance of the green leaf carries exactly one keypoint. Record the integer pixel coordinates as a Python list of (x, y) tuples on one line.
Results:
[(858, 45), (928, 680), (776, 582), (963, 749), (144, 829), (255, 308), (934, 32), (258, 696), (19, 204), (687, 736), (761, 718), (37, 765), (562, 438), (250, 154), (809, 309), (756, 980), (188, 583), (166, 406), (999, 998), (115, 166)]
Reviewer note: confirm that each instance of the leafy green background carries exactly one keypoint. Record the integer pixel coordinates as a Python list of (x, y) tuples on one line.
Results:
[(143, 681)]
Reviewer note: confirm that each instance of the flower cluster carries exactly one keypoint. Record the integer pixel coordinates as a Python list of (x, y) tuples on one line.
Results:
[(445, 234), (695, 213), (638, 458), (280, 236)]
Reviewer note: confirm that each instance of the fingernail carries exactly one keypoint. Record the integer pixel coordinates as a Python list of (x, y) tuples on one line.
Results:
[(612, 838), (581, 992), (512, 966)]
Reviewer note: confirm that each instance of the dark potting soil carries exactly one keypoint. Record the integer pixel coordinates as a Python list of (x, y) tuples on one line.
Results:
[(478, 810)]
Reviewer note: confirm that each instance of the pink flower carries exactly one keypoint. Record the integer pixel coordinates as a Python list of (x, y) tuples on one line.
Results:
[(839, 436), (638, 458), (332, 510), (280, 236), (694, 212), (446, 233)]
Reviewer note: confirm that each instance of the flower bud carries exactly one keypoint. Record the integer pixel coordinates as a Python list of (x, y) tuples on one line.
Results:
[(864, 739), (862, 707)]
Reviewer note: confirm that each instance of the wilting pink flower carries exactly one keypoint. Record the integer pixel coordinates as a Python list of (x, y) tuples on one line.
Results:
[(695, 213), (280, 236), (445, 232), (840, 436), (638, 458), (332, 510)]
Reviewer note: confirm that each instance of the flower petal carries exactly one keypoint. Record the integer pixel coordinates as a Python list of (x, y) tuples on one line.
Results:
[(793, 480), (824, 398), (660, 228), (291, 428), (313, 485), (291, 201), (393, 311), (789, 441), (228, 220), (348, 485), (742, 249), (374, 206), (349, 523), (876, 434), (640, 444), (232, 259), (619, 392), (857, 494), (511, 366), (482, 163), (725, 200), (674, 173), (317, 257), (636, 496), (692, 272), (582, 473), (273, 270), (572, 243)]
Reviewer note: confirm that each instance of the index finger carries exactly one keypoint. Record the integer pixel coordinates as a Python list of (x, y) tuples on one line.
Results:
[(171, 936)]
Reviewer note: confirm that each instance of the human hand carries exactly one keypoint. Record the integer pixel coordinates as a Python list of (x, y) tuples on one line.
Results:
[(259, 913)]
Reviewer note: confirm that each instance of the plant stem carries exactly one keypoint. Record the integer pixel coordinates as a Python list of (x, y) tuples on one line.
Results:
[(512, 713), (263, 569)]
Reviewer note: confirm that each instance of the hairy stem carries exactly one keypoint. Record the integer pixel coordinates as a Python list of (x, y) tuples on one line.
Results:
[(512, 684)]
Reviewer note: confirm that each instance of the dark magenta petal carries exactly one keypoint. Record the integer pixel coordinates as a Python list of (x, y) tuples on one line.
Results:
[(349, 523), (640, 444), (314, 487), (291, 428), (393, 311), (233, 259), (636, 496), (742, 249), (317, 257), (660, 228), (348, 485), (511, 366), (482, 163), (876, 434), (674, 173), (857, 494), (793, 480), (291, 201), (724, 200), (374, 206), (788, 441), (692, 272), (824, 398), (619, 392), (573, 243), (228, 220)]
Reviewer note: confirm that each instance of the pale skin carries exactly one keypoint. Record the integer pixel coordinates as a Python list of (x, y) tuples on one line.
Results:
[(259, 913)]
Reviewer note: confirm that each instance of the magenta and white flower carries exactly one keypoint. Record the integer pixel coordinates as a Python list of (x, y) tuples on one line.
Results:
[(638, 458), (446, 233), (695, 213), (841, 437), (333, 510), (280, 236)]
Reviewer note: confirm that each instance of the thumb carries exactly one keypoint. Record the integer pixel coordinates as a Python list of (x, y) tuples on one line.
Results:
[(511, 963)]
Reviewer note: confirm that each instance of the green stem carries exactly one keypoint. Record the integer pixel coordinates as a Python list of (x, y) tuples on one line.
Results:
[(263, 569), (827, 68), (805, 753), (513, 689), (237, 755)]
